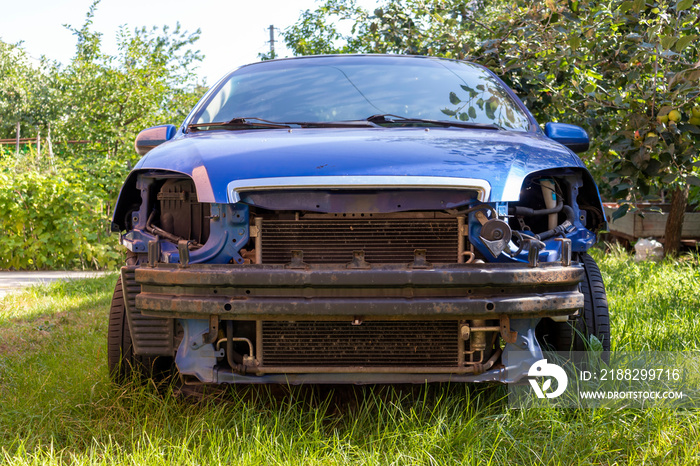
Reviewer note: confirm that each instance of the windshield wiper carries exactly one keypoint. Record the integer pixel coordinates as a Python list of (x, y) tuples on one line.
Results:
[(334, 124), (247, 122), (255, 122), (396, 119)]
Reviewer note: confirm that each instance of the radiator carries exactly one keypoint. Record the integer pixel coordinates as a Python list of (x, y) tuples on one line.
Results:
[(385, 241)]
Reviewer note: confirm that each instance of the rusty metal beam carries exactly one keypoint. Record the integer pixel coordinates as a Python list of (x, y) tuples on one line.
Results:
[(505, 275), (198, 307)]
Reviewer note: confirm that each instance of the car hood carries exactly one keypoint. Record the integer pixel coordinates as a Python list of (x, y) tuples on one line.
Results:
[(502, 158)]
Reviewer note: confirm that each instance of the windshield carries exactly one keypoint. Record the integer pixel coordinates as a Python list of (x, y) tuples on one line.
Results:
[(329, 89)]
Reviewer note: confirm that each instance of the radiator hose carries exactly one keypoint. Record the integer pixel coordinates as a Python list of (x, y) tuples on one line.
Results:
[(562, 229)]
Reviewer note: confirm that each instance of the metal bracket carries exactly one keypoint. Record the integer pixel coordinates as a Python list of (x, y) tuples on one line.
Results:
[(565, 251), (254, 230), (534, 246), (481, 217), (153, 252), (213, 333), (521, 222), (420, 259), (183, 251), (464, 332), (507, 334), (297, 260), (358, 260), (502, 209)]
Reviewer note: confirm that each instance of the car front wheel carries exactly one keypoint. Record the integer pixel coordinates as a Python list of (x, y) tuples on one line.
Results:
[(593, 319), (123, 363)]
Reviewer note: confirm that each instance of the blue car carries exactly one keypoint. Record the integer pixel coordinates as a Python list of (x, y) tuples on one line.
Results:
[(356, 219)]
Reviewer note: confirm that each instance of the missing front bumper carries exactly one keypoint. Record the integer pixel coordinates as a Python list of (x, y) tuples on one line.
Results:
[(320, 310)]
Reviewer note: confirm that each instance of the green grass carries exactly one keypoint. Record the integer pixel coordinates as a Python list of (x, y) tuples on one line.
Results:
[(57, 405)]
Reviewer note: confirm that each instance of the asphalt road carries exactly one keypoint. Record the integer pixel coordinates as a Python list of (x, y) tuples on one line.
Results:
[(13, 281)]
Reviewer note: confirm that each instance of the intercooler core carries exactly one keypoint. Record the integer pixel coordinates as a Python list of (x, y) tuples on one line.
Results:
[(371, 344)]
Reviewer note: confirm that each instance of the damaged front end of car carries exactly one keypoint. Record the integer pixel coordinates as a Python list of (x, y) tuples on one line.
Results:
[(353, 279)]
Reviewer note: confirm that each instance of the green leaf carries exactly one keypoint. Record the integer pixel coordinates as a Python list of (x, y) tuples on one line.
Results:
[(625, 7), (693, 180), (689, 128), (684, 41), (652, 168), (472, 112), (684, 4), (437, 18), (595, 344), (454, 100), (621, 187), (620, 212), (670, 178), (667, 41), (574, 42)]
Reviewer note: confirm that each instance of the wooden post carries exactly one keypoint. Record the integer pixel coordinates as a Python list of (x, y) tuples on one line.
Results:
[(272, 41), (17, 145), (38, 142), (48, 141)]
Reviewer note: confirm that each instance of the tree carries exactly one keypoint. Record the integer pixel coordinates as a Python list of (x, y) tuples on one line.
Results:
[(26, 94), (654, 70), (618, 68), (451, 29), (111, 98), (57, 214)]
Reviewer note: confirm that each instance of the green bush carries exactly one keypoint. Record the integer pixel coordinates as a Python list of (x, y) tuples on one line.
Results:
[(58, 216)]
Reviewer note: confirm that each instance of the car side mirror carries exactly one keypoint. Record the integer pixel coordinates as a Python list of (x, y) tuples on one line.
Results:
[(152, 137), (571, 136)]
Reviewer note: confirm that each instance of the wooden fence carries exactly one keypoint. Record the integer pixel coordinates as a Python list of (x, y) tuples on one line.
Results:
[(24, 141), (19, 141)]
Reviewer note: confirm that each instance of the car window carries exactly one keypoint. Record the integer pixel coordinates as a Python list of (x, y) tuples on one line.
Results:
[(342, 90)]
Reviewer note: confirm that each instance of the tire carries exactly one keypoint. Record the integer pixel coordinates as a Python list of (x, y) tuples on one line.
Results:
[(593, 319), (124, 365)]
